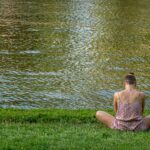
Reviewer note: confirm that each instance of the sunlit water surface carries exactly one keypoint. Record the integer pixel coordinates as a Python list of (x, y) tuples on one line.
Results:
[(71, 53)]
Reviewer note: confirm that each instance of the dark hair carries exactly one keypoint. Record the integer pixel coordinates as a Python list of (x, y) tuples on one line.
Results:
[(130, 78)]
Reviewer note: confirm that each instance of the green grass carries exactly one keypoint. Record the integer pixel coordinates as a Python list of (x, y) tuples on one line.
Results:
[(63, 129)]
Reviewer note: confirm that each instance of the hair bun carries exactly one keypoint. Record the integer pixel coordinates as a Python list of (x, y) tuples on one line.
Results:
[(131, 73)]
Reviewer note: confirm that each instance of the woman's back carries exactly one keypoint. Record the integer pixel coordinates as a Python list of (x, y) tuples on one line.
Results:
[(130, 96), (129, 110)]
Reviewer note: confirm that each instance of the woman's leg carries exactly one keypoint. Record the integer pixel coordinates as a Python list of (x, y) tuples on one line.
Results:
[(147, 121), (105, 118)]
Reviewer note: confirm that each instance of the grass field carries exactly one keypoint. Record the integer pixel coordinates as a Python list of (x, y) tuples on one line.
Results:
[(58, 129)]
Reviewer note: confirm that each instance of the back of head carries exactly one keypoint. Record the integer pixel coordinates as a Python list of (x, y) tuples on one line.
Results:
[(130, 78)]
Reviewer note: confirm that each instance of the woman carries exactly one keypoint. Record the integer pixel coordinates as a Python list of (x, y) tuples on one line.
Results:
[(129, 107)]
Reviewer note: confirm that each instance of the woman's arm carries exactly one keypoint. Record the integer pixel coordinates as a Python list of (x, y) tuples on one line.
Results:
[(115, 102)]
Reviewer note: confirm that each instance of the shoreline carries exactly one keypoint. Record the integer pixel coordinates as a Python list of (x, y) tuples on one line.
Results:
[(46, 115)]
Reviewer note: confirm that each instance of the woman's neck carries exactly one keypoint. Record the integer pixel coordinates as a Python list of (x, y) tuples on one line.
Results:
[(130, 87)]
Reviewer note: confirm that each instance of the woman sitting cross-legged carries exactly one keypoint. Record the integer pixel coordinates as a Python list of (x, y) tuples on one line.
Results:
[(129, 107)]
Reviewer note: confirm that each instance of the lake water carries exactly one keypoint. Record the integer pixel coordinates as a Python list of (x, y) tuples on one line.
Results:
[(71, 53)]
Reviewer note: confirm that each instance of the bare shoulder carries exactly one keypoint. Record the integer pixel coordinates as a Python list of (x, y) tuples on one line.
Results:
[(142, 94), (117, 93)]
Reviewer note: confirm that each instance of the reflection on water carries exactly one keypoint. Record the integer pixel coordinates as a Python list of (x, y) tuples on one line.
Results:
[(71, 54)]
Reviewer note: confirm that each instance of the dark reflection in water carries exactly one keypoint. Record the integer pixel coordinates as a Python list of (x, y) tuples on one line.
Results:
[(71, 53)]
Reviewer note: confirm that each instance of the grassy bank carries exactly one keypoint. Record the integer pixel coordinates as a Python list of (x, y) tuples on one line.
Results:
[(63, 129)]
